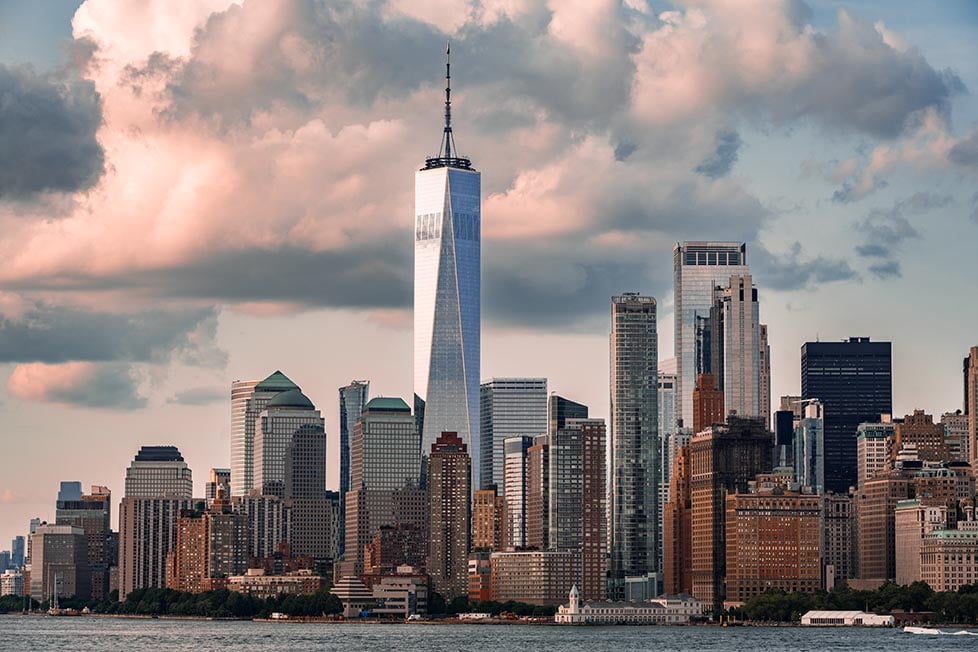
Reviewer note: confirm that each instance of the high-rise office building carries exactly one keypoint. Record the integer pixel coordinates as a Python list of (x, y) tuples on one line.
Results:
[(315, 511), (242, 436), (561, 409), (385, 475), (447, 287), (283, 416), (248, 400), (874, 449), (91, 513), (774, 541), (668, 428), (17, 552), (158, 485), (219, 481), (353, 398), (633, 446), (724, 459), (578, 500), (449, 525), (741, 348), (699, 267), (159, 471), (514, 489), (59, 563), (853, 380), (510, 407), (809, 444), (269, 523)]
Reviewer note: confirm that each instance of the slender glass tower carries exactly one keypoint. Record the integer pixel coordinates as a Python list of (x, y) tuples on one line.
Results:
[(447, 278)]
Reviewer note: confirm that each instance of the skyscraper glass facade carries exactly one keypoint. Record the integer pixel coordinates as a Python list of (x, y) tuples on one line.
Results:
[(447, 279), (853, 380), (510, 407), (634, 443), (698, 268)]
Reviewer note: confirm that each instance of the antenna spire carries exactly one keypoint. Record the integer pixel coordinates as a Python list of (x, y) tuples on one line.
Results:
[(448, 155), (448, 138)]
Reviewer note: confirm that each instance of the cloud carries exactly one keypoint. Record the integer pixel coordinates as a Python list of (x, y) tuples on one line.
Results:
[(886, 270), (722, 160), (48, 133), (199, 396), (974, 208), (83, 384), (39, 332), (885, 230), (262, 153), (789, 271), (965, 151)]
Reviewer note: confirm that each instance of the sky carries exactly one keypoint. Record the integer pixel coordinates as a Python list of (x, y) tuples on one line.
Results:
[(198, 191)]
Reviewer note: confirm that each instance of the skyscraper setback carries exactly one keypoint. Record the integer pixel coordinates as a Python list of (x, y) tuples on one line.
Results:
[(447, 285), (699, 267), (634, 442), (853, 380)]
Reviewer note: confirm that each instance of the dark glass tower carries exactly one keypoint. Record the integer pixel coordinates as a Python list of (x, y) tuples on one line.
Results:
[(854, 381)]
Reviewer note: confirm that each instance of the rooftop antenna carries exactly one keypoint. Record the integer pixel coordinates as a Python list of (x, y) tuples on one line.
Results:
[(448, 139), (447, 152)]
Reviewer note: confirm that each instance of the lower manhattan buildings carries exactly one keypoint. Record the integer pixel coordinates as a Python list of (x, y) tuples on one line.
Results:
[(634, 465)]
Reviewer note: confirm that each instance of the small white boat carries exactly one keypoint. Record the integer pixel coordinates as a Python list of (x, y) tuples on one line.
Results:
[(921, 630)]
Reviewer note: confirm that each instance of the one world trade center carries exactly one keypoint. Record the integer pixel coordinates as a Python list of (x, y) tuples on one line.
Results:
[(447, 277)]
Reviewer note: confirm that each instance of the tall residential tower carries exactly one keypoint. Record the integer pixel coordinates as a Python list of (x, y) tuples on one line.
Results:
[(447, 279), (634, 443)]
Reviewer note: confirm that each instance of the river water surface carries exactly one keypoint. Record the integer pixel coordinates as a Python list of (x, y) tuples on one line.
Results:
[(105, 634)]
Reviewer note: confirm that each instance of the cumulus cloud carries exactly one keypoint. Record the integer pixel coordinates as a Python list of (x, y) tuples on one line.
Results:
[(48, 131), (791, 271), (262, 152), (40, 332), (965, 151), (885, 230), (84, 384)]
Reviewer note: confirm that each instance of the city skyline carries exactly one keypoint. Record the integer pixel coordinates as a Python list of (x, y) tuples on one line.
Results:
[(152, 358)]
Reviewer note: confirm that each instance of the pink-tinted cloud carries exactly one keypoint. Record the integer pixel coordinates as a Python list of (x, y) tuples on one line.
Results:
[(280, 137), (85, 384)]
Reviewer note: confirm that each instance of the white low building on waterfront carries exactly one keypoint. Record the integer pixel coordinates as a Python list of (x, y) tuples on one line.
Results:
[(846, 619), (664, 610)]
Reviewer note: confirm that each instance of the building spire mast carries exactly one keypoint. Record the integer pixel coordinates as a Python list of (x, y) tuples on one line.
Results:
[(448, 138), (448, 155)]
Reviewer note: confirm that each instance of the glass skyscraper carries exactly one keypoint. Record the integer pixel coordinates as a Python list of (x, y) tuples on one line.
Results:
[(634, 442), (353, 398), (853, 379), (699, 267), (447, 278), (510, 407)]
